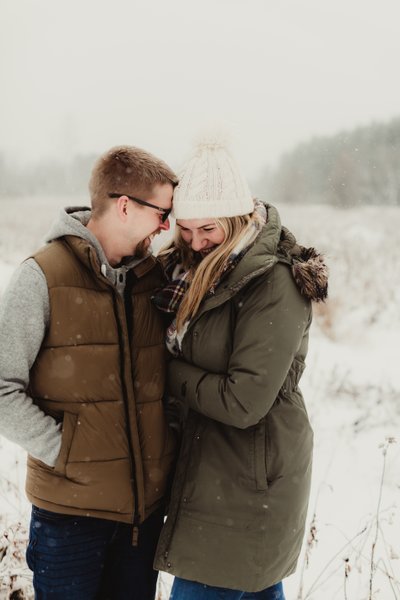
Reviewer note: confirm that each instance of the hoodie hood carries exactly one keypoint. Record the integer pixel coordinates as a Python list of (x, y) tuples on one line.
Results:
[(72, 221)]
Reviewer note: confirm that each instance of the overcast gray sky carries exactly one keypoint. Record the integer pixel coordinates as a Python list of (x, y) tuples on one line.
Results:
[(83, 75)]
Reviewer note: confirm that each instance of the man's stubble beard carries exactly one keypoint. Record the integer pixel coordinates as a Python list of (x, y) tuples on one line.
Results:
[(143, 248)]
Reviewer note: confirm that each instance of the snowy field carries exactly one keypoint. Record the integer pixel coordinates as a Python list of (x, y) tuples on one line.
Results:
[(352, 390)]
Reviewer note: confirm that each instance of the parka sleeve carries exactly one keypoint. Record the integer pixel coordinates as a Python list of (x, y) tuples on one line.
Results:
[(270, 326)]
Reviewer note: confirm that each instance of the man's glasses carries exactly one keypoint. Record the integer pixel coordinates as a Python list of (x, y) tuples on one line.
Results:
[(163, 212)]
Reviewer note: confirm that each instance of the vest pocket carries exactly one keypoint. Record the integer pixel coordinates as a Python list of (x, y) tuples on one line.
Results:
[(68, 430)]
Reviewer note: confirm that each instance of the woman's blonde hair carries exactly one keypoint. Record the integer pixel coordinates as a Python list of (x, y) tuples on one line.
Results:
[(205, 273)]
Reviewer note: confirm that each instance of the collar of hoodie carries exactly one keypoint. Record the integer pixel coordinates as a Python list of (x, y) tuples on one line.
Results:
[(117, 276), (73, 221)]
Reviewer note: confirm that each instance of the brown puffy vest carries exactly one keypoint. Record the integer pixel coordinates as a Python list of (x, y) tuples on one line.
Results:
[(101, 371)]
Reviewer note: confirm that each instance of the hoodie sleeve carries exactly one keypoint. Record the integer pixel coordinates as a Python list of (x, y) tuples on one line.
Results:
[(24, 315)]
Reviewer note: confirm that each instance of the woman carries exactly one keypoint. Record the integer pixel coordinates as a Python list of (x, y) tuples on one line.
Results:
[(240, 289)]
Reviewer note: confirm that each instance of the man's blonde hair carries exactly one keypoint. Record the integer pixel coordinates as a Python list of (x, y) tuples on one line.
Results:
[(126, 170)]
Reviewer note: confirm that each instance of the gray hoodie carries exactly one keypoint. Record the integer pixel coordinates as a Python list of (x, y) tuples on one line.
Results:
[(24, 317)]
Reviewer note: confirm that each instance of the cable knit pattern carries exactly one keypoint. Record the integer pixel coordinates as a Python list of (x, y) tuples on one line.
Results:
[(211, 185)]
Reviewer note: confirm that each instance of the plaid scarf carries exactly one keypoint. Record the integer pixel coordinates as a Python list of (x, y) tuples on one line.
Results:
[(169, 298)]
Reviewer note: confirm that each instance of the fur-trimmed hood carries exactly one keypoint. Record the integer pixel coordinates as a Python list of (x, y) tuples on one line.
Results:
[(276, 243), (308, 267)]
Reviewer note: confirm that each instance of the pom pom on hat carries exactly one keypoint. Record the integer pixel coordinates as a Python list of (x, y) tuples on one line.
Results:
[(211, 184)]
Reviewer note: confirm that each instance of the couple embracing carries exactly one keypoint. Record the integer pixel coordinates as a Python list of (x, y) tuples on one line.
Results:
[(143, 387)]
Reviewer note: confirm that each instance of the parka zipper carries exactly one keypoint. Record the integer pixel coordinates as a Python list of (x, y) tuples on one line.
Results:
[(195, 436)]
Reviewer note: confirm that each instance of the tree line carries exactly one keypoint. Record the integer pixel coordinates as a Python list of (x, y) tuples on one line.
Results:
[(46, 177), (357, 167)]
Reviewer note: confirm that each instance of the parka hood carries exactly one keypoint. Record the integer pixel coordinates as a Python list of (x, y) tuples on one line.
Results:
[(277, 244), (308, 267)]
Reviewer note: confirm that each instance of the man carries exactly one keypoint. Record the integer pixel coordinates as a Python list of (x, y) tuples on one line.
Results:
[(81, 384)]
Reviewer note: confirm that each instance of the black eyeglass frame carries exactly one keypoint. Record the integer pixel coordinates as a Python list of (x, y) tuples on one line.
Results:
[(164, 212)]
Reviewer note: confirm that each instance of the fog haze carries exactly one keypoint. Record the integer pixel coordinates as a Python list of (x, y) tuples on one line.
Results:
[(79, 77)]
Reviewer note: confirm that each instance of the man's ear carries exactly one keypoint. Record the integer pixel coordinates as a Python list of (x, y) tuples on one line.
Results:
[(122, 207)]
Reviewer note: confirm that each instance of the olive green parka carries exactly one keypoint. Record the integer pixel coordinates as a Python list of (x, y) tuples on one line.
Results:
[(239, 499)]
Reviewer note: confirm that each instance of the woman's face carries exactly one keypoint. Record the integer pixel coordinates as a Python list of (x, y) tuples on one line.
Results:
[(202, 235)]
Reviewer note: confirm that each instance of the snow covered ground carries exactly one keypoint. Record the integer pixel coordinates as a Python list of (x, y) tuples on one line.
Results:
[(352, 390)]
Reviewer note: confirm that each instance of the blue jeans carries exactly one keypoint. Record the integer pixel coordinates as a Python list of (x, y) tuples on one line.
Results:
[(191, 590), (84, 558)]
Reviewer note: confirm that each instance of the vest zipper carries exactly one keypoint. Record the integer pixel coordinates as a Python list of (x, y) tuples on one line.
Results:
[(136, 518)]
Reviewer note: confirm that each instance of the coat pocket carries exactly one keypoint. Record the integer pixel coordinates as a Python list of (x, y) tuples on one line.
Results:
[(68, 430), (259, 456)]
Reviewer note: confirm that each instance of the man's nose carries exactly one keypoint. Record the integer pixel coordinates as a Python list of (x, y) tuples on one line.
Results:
[(166, 225)]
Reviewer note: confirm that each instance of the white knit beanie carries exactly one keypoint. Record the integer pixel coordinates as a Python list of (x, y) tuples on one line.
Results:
[(211, 185)]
